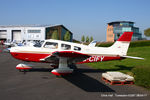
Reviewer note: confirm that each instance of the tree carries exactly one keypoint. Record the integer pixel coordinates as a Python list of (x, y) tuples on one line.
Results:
[(83, 39), (147, 32), (87, 39), (55, 35), (91, 39), (67, 36)]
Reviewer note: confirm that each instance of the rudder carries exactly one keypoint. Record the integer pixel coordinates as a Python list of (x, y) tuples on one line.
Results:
[(121, 46)]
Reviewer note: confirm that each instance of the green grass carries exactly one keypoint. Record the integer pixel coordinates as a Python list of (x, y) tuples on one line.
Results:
[(140, 69), (142, 76), (128, 64)]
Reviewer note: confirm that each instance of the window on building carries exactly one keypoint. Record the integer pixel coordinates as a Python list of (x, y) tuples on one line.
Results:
[(131, 24), (30, 36), (51, 45), (34, 31), (135, 30), (110, 29), (65, 47), (124, 24), (37, 36), (77, 48), (117, 30), (3, 30), (126, 29), (110, 35)]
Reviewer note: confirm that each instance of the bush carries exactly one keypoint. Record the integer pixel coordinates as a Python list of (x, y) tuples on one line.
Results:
[(105, 44), (140, 43), (142, 76)]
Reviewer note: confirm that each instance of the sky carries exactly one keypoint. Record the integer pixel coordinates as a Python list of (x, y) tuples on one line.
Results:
[(81, 17)]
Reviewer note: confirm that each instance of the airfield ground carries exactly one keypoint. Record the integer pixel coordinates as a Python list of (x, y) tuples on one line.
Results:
[(39, 84)]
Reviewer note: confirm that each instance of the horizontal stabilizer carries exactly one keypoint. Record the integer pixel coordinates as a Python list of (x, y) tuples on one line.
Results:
[(132, 57)]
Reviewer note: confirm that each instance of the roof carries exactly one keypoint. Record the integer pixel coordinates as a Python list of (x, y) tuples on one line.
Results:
[(60, 26), (33, 25), (120, 22)]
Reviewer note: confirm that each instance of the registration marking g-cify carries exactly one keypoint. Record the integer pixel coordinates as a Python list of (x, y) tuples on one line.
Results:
[(96, 58)]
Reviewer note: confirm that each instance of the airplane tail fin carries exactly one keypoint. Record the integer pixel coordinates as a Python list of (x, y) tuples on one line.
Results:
[(121, 46)]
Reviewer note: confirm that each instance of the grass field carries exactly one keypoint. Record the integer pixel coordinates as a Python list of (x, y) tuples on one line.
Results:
[(128, 64)]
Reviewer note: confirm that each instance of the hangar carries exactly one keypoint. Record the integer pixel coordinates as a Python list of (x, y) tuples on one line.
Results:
[(34, 33)]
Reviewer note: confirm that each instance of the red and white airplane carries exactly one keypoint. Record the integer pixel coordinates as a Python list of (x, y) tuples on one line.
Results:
[(62, 54)]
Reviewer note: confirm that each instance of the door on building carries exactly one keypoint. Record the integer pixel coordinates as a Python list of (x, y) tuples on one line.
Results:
[(16, 35), (3, 34)]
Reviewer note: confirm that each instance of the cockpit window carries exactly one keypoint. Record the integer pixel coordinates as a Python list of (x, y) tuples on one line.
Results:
[(77, 48), (65, 47), (51, 45), (38, 43)]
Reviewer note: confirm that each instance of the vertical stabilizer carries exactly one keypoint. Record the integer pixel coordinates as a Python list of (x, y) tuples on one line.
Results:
[(121, 46)]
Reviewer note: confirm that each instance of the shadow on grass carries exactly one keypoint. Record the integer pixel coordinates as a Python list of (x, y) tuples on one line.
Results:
[(122, 67)]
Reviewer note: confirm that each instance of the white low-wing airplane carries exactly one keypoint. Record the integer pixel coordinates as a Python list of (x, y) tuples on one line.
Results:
[(62, 54)]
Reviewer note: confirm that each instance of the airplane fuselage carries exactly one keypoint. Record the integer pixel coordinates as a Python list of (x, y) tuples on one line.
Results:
[(35, 54)]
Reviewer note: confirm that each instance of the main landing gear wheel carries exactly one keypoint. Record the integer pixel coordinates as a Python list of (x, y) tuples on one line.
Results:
[(63, 68)]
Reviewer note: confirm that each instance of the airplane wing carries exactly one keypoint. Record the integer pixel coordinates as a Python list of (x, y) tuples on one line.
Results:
[(70, 55)]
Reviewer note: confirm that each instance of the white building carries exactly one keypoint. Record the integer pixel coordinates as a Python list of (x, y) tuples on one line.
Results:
[(30, 33)]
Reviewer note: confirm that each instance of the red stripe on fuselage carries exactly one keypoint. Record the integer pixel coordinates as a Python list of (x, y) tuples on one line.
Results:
[(33, 57)]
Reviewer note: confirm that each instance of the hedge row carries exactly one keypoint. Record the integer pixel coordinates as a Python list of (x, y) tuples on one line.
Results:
[(142, 76), (104, 44), (132, 44), (140, 43)]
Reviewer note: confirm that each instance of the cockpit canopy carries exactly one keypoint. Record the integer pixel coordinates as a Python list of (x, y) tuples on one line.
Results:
[(51, 45), (62, 46)]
